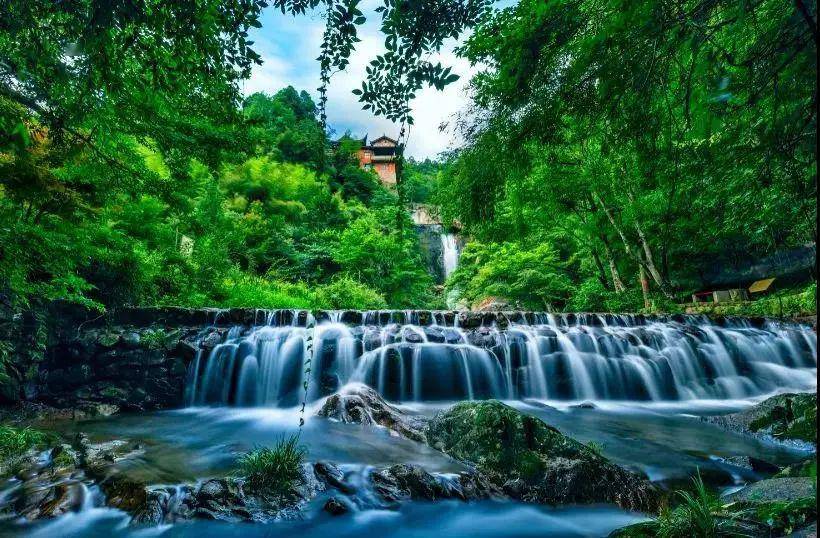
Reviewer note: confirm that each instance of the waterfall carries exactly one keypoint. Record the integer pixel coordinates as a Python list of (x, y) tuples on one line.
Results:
[(427, 356), (450, 253)]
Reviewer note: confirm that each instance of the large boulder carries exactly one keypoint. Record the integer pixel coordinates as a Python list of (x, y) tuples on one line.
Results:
[(360, 404), (788, 417), (533, 461), (776, 490)]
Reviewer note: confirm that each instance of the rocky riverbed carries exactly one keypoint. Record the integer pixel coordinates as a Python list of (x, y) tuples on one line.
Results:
[(480, 452)]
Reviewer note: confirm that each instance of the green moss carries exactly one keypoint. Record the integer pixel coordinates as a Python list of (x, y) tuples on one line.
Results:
[(806, 468), (499, 439), (789, 416), (66, 458)]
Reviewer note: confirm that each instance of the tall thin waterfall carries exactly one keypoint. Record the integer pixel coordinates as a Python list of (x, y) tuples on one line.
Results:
[(450, 252), (426, 356)]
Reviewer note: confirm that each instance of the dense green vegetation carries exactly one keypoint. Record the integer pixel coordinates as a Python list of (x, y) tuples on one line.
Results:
[(248, 205), (642, 141), (616, 153)]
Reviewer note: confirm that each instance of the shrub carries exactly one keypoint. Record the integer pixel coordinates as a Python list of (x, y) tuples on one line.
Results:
[(276, 469), (345, 292)]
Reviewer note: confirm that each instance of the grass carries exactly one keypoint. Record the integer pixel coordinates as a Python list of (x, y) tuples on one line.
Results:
[(16, 441), (596, 448), (274, 469), (699, 513), (695, 516)]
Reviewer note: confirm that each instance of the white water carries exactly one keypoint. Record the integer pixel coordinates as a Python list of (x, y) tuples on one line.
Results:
[(564, 358), (450, 252)]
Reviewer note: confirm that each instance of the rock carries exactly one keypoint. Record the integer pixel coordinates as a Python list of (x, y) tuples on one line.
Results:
[(403, 482), (38, 499), (807, 467), (125, 493), (534, 461), (360, 404), (492, 304), (332, 476), (785, 417), (336, 506), (131, 339), (776, 489), (211, 341)]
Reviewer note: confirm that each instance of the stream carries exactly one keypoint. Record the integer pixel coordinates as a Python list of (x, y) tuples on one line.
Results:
[(634, 390)]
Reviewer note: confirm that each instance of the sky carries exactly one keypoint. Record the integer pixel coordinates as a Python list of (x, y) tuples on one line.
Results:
[(289, 47)]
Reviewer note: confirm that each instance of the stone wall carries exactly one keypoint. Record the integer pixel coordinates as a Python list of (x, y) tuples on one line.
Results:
[(138, 358)]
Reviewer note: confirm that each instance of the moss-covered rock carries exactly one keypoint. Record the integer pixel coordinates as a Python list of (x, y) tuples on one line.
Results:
[(534, 461), (789, 417)]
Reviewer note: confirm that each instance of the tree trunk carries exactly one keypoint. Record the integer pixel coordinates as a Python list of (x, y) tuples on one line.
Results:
[(644, 287), (617, 283), (649, 260), (601, 271)]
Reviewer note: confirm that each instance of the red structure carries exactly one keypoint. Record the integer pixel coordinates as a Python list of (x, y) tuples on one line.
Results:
[(380, 155)]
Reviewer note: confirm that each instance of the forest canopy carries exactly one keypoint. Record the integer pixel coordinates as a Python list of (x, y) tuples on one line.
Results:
[(644, 141), (616, 154)]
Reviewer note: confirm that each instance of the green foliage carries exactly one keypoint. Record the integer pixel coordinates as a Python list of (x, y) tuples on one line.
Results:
[(346, 293), (274, 470), (372, 251), (785, 303), (784, 517), (654, 136), (789, 416), (420, 180), (15, 441), (530, 277)]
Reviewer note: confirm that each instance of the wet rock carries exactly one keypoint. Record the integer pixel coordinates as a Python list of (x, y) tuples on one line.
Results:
[(336, 506), (131, 339), (434, 334), (413, 337), (39, 499), (362, 405), (332, 476), (403, 482), (787, 417), (776, 489), (534, 461), (124, 492), (211, 341)]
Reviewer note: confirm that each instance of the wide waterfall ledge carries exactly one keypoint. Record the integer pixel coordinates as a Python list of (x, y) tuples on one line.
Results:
[(280, 358)]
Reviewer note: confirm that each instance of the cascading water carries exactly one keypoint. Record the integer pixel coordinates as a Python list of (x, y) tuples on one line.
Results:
[(450, 253), (426, 356)]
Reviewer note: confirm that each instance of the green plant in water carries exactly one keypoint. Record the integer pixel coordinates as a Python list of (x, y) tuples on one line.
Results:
[(274, 469), (699, 514)]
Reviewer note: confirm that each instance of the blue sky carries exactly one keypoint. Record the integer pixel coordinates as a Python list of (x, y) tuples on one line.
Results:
[(289, 47)]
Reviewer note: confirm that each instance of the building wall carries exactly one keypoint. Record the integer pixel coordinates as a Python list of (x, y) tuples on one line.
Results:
[(386, 172)]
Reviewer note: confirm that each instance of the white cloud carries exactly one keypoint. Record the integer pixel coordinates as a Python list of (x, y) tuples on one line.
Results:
[(289, 47)]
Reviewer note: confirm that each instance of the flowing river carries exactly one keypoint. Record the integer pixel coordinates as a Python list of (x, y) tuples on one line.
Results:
[(634, 386)]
